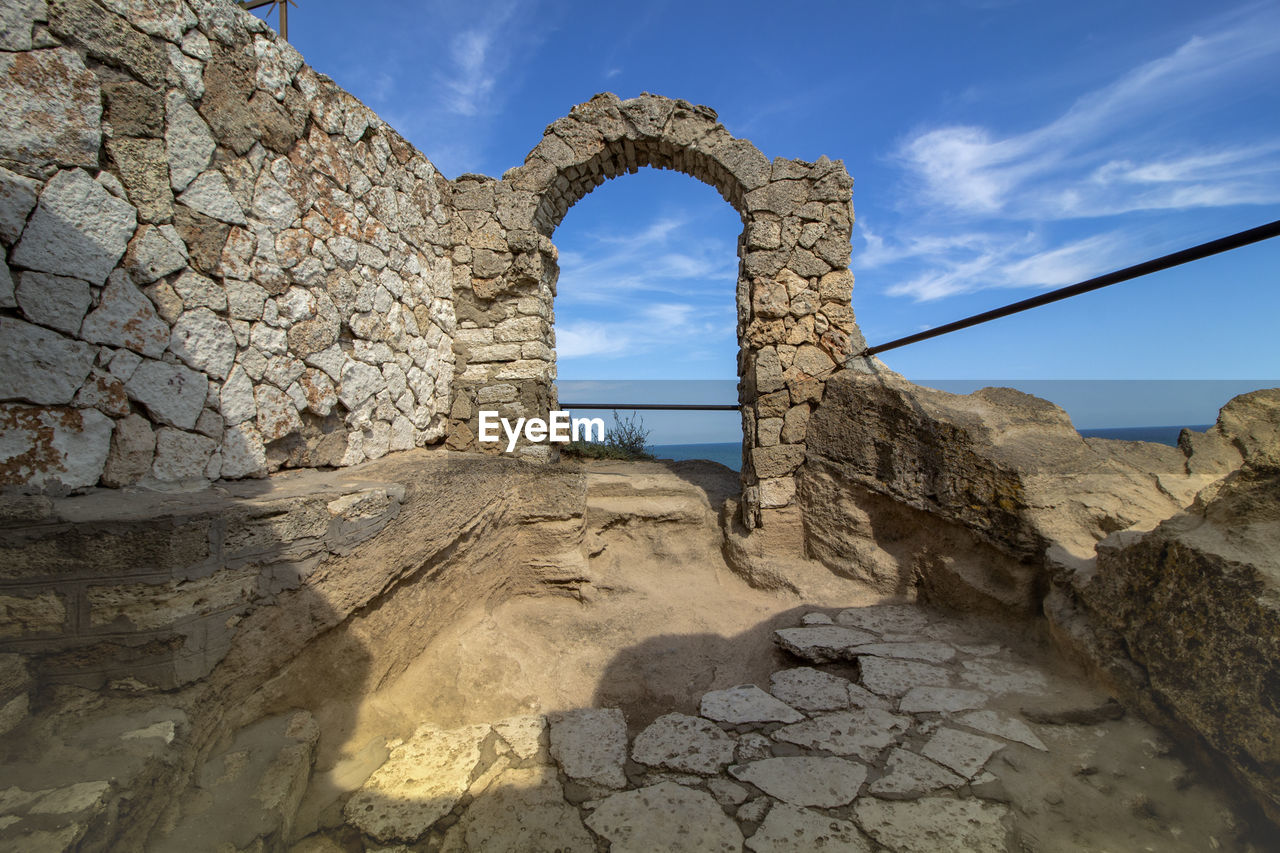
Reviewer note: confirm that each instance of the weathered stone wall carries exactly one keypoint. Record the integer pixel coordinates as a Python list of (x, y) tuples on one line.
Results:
[(217, 263), (795, 322)]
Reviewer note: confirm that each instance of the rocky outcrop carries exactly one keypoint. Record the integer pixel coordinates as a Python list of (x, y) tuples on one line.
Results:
[(970, 499), (1185, 619), (1155, 565)]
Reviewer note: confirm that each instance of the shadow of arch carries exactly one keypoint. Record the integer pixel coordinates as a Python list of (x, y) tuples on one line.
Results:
[(795, 323)]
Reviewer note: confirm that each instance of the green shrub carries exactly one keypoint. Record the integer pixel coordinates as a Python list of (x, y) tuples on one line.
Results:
[(624, 440)]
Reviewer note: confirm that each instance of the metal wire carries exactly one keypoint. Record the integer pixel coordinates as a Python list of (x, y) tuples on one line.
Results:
[(1195, 253)]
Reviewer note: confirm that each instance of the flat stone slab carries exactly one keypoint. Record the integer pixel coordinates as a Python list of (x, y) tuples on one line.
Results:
[(926, 700), (788, 828), (822, 643), (963, 752), (523, 811), (591, 745), (665, 817), (421, 782), (686, 744), (805, 781), (909, 776), (525, 735), (1000, 676), (746, 703), (811, 689), (898, 619), (930, 651), (863, 732), (1005, 727), (934, 824), (892, 677)]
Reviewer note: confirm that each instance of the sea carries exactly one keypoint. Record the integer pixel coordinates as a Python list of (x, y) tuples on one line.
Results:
[(729, 453)]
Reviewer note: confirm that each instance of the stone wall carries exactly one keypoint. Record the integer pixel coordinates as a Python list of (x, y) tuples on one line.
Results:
[(217, 263), (795, 322)]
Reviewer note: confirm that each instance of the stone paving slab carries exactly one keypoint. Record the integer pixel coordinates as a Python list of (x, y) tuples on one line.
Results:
[(747, 703), (665, 817)]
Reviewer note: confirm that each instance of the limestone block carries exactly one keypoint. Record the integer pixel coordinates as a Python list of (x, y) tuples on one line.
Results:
[(523, 809), (421, 782), (47, 446), (935, 823), (861, 732), (43, 613), (789, 827), (796, 424), (204, 340), (802, 781), (822, 643), (16, 20), (53, 300), (272, 204), (132, 449), (963, 752), (277, 416), (133, 109), (243, 454), (126, 318), (359, 382), (908, 776), (210, 195), (810, 689), (198, 291), (145, 175), (171, 393), (39, 365), (17, 198), (103, 392), (666, 817), (776, 461), (181, 455), (153, 253), (78, 229), (50, 106), (889, 677), (8, 299), (591, 745), (684, 744), (746, 703)]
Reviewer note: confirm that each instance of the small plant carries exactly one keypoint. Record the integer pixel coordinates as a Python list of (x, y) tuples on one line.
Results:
[(624, 440)]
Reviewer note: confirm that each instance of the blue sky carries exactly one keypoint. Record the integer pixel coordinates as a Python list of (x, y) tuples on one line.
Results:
[(998, 148)]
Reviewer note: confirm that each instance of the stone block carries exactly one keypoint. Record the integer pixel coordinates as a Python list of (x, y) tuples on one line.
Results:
[(78, 229), (53, 300), (776, 461), (44, 447), (40, 365), (50, 108)]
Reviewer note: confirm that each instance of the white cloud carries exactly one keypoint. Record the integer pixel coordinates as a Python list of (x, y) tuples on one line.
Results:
[(1004, 261), (1132, 145), (1065, 168), (475, 65)]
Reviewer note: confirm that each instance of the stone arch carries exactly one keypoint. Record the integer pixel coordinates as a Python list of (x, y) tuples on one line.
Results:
[(795, 322)]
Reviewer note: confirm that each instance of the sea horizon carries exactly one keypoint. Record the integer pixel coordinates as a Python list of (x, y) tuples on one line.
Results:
[(729, 453)]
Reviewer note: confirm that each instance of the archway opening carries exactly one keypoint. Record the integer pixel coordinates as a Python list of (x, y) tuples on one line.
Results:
[(646, 309)]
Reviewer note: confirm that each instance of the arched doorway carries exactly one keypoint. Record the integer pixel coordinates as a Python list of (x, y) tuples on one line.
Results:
[(795, 323)]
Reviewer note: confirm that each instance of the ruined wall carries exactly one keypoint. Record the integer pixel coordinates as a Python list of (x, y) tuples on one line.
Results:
[(217, 263), (795, 322)]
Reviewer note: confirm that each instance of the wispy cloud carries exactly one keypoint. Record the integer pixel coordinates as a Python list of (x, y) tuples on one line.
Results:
[(1125, 147), (662, 258), (1067, 168), (474, 65)]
